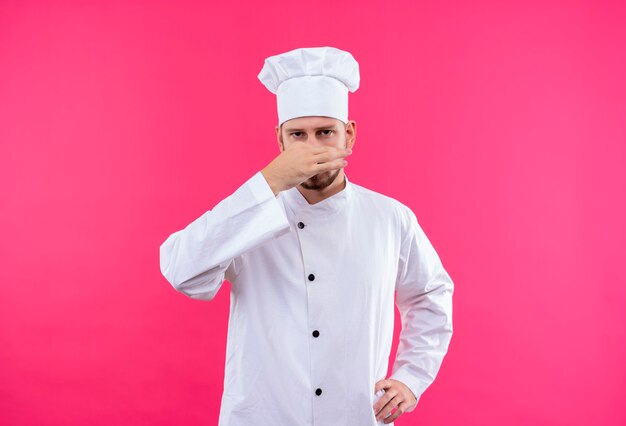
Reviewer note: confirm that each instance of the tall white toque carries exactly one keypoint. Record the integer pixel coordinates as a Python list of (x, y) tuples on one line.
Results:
[(311, 81)]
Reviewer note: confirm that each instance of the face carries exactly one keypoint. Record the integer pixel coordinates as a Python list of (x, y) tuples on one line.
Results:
[(317, 130)]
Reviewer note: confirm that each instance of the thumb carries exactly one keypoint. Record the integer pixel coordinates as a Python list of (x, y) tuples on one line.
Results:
[(381, 384)]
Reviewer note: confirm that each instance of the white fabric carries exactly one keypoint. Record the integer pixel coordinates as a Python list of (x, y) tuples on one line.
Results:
[(359, 247), (311, 81)]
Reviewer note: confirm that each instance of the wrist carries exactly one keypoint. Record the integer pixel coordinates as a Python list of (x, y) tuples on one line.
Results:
[(271, 182)]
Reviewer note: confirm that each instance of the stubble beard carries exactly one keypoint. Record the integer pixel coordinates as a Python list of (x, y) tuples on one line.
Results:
[(320, 180)]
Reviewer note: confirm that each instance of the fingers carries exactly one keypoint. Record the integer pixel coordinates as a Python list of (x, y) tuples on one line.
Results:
[(400, 409), (331, 153), (331, 165), (391, 403), (331, 159)]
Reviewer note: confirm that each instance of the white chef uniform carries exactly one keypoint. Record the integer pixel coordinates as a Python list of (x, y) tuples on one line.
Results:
[(312, 301)]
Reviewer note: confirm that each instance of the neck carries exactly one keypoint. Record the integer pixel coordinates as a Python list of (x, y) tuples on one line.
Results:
[(316, 195)]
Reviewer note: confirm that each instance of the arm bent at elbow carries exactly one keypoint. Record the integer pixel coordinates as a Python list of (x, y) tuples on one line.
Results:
[(424, 299), (197, 259)]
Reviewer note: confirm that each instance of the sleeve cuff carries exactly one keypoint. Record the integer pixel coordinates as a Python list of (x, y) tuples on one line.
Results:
[(260, 187)]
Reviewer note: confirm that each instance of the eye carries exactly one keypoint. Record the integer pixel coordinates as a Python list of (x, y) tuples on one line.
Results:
[(295, 134), (328, 134)]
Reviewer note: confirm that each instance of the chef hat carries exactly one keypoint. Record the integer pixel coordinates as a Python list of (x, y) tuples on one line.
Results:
[(311, 81)]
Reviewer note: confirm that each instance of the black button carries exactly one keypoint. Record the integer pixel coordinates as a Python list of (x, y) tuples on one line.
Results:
[(316, 333), (300, 225), (311, 277), (318, 391)]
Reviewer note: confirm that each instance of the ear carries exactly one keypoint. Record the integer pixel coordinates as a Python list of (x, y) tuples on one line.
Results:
[(279, 139), (350, 133)]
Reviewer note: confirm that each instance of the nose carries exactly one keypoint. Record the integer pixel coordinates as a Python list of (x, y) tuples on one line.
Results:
[(316, 140)]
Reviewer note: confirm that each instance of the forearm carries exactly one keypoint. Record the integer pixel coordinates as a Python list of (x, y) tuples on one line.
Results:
[(199, 255), (425, 336)]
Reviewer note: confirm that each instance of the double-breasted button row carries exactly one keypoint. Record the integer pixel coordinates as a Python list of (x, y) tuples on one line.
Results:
[(316, 333), (311, 277)]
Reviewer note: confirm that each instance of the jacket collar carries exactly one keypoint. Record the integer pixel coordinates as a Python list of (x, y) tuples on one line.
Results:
[(325, 208)]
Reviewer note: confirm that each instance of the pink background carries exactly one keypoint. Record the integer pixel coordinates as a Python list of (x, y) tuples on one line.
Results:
[(500, 124)]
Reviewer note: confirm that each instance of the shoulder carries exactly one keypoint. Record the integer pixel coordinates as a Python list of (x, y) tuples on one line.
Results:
[(387, 207)]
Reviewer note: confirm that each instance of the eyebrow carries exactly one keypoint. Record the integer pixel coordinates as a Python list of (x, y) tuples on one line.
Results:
[(317, 128)]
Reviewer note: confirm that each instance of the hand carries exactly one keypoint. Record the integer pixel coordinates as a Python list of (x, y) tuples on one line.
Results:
[(397, 395), (299, 161)]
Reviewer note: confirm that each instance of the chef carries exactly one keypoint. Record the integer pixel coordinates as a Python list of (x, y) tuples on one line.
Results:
[(316, 263)]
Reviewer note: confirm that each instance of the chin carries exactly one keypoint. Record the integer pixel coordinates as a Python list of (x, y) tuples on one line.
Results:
[(320, 181)]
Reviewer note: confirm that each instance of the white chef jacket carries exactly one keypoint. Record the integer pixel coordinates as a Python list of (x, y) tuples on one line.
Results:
[(312, 301)]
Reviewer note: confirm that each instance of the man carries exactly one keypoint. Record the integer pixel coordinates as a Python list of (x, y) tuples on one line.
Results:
[(314, 262)]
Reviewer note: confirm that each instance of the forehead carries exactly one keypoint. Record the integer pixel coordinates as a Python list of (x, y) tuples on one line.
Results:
[(313, 123)]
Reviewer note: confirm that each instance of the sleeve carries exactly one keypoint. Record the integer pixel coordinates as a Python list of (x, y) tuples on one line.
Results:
[(197, 259), (424, 299)]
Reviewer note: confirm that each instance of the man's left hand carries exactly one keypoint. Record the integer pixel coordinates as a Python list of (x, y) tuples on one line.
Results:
[(397, 395)]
